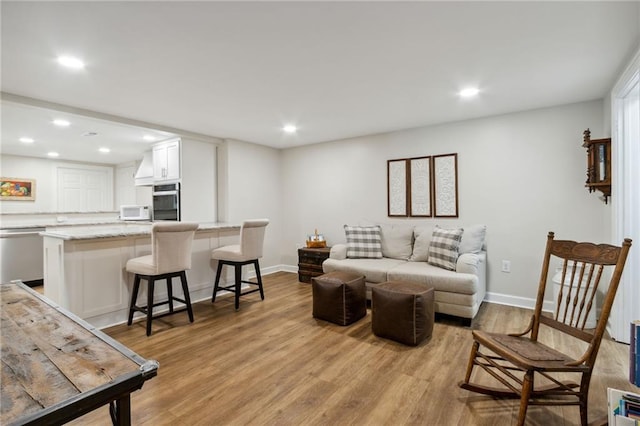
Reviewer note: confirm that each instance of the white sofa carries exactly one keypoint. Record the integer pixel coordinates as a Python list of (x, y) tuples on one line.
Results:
[(405, 249)]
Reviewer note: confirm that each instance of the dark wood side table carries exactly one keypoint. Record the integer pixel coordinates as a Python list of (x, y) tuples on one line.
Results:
[(310, 262)]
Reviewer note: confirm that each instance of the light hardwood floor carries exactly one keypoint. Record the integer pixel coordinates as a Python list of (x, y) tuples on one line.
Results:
[(271, 363)]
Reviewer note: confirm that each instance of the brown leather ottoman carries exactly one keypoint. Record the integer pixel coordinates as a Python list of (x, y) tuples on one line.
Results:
[(402, 311), (339, 297)]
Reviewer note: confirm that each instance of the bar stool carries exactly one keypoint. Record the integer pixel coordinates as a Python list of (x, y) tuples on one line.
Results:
[(247, 252), (170, 257)]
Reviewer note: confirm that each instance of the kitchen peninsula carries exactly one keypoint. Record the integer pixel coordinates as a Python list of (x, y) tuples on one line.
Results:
[(84, 267)]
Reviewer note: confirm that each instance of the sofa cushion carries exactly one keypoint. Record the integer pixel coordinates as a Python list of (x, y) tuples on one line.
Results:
[(433, 276), (374, 270), (397, 241), (443, 249), (468, 263), (338, 251), (422, 239), (363, 242), (472, 239)]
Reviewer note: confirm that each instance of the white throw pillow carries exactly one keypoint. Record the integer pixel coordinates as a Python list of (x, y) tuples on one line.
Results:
[(363, 242), (472, 239), (397, 241), (443, 250), (422, 239)]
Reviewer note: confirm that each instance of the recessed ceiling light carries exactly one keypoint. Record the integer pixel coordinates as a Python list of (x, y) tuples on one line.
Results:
[(290, 128), (469, 92), (70, 62), (104, 150), (149, 138), (26, 140), (61, 123), (52, 154)]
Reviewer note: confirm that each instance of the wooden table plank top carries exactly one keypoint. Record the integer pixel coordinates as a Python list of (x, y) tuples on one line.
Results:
[(49, 357)]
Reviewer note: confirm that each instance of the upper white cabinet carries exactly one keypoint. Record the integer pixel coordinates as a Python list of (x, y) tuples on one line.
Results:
[(166, 161)]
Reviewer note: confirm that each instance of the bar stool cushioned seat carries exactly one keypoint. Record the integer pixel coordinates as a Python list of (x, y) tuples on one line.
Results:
[(170, 257), (339, 297), (246, 253), (402, 311)]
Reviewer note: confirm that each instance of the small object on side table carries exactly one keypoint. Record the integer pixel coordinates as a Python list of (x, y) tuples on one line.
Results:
[(316, 241), (310, 262)]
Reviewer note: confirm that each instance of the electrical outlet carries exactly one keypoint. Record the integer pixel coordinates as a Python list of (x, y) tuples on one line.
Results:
[(506, 266)]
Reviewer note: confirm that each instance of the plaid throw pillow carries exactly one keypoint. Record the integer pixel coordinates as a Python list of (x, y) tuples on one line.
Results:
[(443, 250), (363, 242)]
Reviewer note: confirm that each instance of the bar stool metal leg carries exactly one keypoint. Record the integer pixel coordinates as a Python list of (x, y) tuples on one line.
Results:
[(150, 289), (238, 288), (134, 298), (187, 298), (217, 283), (170, 292), (259, 278)]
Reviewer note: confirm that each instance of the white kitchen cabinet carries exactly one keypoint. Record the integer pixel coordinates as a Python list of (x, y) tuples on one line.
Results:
[(166, 161)]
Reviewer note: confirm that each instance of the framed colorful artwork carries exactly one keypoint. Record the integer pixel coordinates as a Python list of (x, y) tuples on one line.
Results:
[(17, 189)]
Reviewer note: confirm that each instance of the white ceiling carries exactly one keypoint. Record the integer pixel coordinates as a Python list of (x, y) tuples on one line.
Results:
[(242, 70), (75, 143)]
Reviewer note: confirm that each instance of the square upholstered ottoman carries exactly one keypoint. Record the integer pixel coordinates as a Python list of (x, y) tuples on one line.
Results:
[(339, 297), (402, 311)]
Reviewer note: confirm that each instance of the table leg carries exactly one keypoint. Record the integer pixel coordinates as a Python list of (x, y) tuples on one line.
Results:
[(120, 411)]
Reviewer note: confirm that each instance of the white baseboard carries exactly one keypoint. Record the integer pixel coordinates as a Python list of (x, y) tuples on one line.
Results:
[(517, 301)]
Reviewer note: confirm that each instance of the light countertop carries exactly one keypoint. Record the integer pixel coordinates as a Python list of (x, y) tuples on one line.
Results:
[(55, 224), (120, 230)]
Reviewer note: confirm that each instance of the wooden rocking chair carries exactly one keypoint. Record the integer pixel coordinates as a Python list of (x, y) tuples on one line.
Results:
[(515, 360)]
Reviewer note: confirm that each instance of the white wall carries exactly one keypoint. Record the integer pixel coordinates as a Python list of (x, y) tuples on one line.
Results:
[(45, 173), (198, 189), (125, 193), (252, 189), (521, 174)]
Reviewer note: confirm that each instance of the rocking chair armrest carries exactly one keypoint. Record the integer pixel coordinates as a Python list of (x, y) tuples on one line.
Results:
[(578, 361), (528, 330)]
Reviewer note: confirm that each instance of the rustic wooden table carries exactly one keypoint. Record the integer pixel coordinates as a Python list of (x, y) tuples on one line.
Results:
[(56, 367)]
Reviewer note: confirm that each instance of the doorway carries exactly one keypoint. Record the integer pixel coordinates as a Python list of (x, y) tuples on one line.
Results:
[(626, 202)]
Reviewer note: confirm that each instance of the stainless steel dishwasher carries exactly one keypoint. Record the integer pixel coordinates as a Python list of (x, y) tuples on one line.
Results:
[(21, 251)]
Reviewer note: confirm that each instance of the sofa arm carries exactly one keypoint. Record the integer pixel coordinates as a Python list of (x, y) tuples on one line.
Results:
[(468, 263), (338, 252)]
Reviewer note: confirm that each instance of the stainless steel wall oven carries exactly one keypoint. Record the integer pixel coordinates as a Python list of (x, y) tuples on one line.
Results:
[(166, 201)]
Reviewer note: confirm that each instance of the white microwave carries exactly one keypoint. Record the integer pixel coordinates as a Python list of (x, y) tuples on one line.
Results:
[(135, 213)]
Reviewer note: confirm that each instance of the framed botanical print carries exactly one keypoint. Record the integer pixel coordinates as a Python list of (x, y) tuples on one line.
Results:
[(420, 187), (397, 185), (445, 185)]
